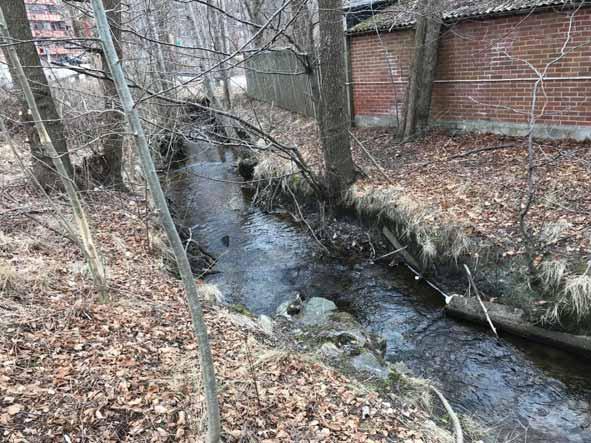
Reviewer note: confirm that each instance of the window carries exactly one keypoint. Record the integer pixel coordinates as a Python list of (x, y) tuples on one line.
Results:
[(58, 26), (37, 9)]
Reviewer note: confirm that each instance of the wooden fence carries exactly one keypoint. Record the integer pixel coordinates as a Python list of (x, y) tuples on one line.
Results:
[(281, 77)]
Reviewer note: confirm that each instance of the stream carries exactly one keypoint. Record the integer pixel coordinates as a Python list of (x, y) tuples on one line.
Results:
[(523, 391)]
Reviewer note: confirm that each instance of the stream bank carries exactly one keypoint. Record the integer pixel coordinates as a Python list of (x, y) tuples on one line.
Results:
[(456, 196), (264, 260), (442, 255)]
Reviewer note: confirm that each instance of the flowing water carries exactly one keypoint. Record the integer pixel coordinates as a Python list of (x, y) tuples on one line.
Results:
[(527, 392)]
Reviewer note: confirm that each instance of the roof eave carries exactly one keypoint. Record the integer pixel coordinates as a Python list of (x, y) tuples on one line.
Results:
[(454, 20)]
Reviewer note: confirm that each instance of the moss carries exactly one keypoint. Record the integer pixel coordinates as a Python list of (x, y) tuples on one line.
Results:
[(239, 308), (395, 377)]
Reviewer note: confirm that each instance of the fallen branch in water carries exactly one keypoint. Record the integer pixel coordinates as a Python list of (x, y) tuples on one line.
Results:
[(454, 418), (407, 257), (411, 263), (396, 251), (473, 285)]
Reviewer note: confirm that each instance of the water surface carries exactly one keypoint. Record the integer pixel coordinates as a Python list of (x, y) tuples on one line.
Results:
[(526, 392)]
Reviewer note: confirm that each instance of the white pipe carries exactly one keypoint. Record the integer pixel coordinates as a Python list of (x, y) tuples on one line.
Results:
[(478, 80)]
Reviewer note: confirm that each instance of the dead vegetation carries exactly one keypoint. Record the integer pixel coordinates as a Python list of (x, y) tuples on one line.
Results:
[(458, 196), (77, 367)]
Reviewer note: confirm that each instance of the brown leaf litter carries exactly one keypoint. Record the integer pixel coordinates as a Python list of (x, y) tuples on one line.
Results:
[(75, 367), (480, 190)]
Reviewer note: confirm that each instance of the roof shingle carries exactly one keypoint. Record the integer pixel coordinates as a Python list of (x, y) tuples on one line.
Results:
[(402, 14)]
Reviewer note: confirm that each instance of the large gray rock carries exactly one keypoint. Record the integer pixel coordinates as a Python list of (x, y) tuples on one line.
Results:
[(329, 349), (290, 308), (368, 362), (317, 310), (282, 309), (266, 324)]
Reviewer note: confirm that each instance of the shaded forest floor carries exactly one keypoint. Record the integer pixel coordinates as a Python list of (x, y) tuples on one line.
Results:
[(474, 181), (78, 367)]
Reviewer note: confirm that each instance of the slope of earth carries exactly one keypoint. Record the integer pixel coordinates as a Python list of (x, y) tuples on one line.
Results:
[(75, 366)]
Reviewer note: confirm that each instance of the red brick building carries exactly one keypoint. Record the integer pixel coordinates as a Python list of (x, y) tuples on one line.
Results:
[(48, 21), (489, 52)]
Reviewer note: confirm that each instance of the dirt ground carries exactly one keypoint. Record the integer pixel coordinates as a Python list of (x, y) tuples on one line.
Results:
[(77, 367)]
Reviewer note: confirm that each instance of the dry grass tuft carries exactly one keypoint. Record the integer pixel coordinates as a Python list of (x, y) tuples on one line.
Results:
[(551, 273), (578, 293), (8, 277), (428, 246), (210, 293), (461, 244), (551, 232), (415, 391), (574, 301), (412, 221), (272, 167)]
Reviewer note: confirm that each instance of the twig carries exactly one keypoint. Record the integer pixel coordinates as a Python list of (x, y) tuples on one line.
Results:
[(304, 219), (407, 257), (471, 282), (454, 418), (391, 253), (253, 372), (412, 264), (476, 151), (373, 160)]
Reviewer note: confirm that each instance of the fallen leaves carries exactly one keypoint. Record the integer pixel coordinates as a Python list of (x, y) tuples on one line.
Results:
[(14, 409), (76, 368), (482, 191)]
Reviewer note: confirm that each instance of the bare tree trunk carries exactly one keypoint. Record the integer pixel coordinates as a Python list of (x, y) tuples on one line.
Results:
[(255, 13), (162, 21), (199, 41), (302, 26), (416, 73), (431, 44), (19, 29), (113, 142), (154, 34), (86, 240), (217, 34), (420, 83), (199, 326), (223, 45), (333, 117)]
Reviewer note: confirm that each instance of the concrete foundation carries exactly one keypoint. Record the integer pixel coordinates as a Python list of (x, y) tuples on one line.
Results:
[(374, 121), (543, 131)]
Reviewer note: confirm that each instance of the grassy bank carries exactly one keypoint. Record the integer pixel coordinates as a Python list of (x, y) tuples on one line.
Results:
[(454, 199)]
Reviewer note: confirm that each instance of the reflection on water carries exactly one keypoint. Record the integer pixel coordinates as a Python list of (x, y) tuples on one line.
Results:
[(531, 393)]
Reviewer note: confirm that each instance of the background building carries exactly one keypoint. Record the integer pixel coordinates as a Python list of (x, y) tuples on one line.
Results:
[(48, 20), (484, 77)]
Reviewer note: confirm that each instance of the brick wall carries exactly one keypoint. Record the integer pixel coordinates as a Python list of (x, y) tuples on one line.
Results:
[(482, 74)]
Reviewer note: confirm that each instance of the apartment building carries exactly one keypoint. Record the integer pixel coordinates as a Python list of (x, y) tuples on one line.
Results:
[(48, 20)]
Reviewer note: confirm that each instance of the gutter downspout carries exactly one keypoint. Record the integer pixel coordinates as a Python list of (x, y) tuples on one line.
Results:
[(348, 71)]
